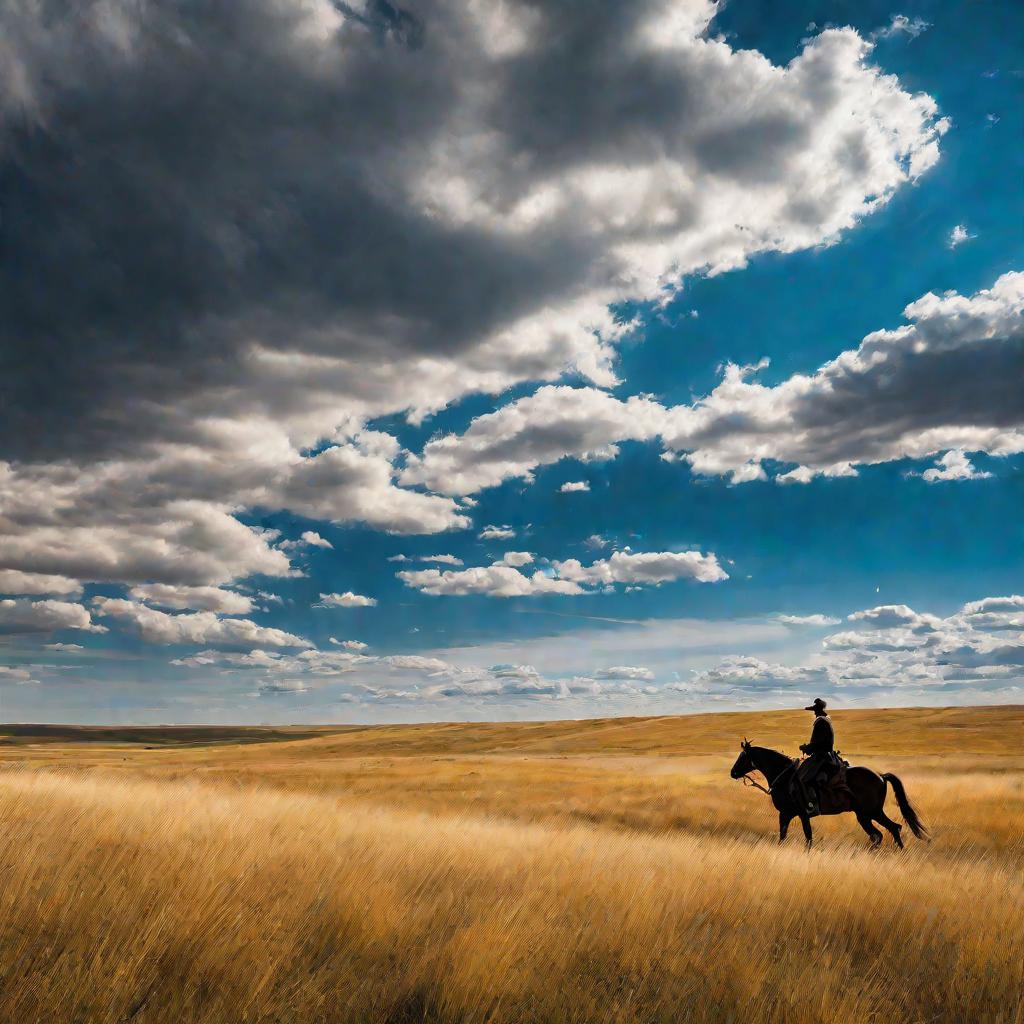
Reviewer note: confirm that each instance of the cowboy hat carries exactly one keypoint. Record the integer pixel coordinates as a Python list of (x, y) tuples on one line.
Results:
[(818, 703)]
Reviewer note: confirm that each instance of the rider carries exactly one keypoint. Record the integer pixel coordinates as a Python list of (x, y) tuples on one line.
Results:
[(819, 752)]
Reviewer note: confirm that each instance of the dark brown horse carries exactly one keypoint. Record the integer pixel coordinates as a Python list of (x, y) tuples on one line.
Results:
[(868, 791)]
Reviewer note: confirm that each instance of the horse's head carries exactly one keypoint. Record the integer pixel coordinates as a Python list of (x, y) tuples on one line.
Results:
[(744, 764)]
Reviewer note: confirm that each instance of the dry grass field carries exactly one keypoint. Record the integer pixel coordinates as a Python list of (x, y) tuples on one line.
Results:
[(600, 871)]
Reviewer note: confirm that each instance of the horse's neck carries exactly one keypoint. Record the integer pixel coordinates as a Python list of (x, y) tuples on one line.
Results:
[(771, 762)]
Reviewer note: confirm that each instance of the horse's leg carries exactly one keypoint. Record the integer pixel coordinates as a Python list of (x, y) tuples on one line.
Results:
[(808, 835), (894, 829), (785, 817), (873, 834)]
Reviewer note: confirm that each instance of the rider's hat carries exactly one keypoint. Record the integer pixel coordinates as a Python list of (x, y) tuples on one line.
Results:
[(818, 703)]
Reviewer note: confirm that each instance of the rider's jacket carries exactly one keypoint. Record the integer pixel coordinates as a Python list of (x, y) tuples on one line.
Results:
[(823, 737)]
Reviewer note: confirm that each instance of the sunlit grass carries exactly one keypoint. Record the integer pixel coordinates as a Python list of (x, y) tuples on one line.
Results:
[(290, 882)]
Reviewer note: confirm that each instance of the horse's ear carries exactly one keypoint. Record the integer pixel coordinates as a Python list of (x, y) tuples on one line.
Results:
[(745, 744)]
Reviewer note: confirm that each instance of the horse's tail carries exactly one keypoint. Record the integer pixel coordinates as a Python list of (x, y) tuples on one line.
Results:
[(906, 808)]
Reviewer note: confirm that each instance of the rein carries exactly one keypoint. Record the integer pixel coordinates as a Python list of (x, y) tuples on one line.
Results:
[(748, 781)]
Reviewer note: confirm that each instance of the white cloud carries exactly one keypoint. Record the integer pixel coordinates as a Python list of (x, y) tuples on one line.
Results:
[(809, 620), (195, 627), (574, 486), (345, 600), (901, 25), (13, 581), (958, 236), (18, 676), (625, 672), (954, 465), (178, 597), (493, 581), (19, 616), (552, 423), (503, 579), (516, 559), (644, 567), (497, 533), (349, 645)]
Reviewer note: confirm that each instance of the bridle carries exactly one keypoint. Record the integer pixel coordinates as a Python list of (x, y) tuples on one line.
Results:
[(748, 781)]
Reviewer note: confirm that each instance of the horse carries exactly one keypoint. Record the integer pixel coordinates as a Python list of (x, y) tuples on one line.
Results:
[(867, 791)]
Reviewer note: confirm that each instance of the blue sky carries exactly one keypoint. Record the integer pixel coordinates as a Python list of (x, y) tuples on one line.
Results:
[(239, 404)]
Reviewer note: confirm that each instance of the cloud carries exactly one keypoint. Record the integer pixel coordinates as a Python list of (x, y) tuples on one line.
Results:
[(754, 673), (158, 390), (889, 616), (493, 581), (549, 425), (349, 645), (63, 647), (13, 581), (901, 25), (516, 559), (204, 627), (809, 620), (211, 599), (947, 382), (979, 648), (346, 600), (17, 676), (497, 533), (624, 672), (503, 579), (954, 465), (958, 236), (644, 567), (310, 538), (574, 486), (440, 559), (20, 616)]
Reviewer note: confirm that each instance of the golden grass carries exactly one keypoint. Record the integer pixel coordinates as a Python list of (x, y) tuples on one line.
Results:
[(512, 876)]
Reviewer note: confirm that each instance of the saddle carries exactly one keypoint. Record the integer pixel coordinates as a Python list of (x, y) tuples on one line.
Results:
[(828, 789)]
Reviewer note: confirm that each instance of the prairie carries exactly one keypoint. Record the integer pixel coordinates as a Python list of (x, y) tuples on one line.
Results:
[(532, 872)]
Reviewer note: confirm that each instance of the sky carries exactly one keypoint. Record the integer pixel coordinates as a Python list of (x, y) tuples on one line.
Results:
[(474, 360)]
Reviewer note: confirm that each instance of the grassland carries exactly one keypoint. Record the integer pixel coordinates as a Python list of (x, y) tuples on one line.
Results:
[(540, 872)]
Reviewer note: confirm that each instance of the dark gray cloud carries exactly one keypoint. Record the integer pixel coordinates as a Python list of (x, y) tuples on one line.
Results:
[(233, 232)]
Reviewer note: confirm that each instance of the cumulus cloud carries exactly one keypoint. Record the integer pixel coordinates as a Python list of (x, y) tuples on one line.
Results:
[(20, 616), (948, 382), (309, 539), (17, 676), (492, 581), (516, 559), (155, 392), (194, 627), (13, 581), (809, 620), (644, 567), (954, 465), (624, 672), (555, 422), (211, 599), (980, 647), (571, 577), (345, 600), (901, 25), (497, 533), (349, 645), (958, 236), (574, 486)]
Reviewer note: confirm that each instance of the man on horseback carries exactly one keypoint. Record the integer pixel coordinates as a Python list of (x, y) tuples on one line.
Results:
[(821, 758)]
